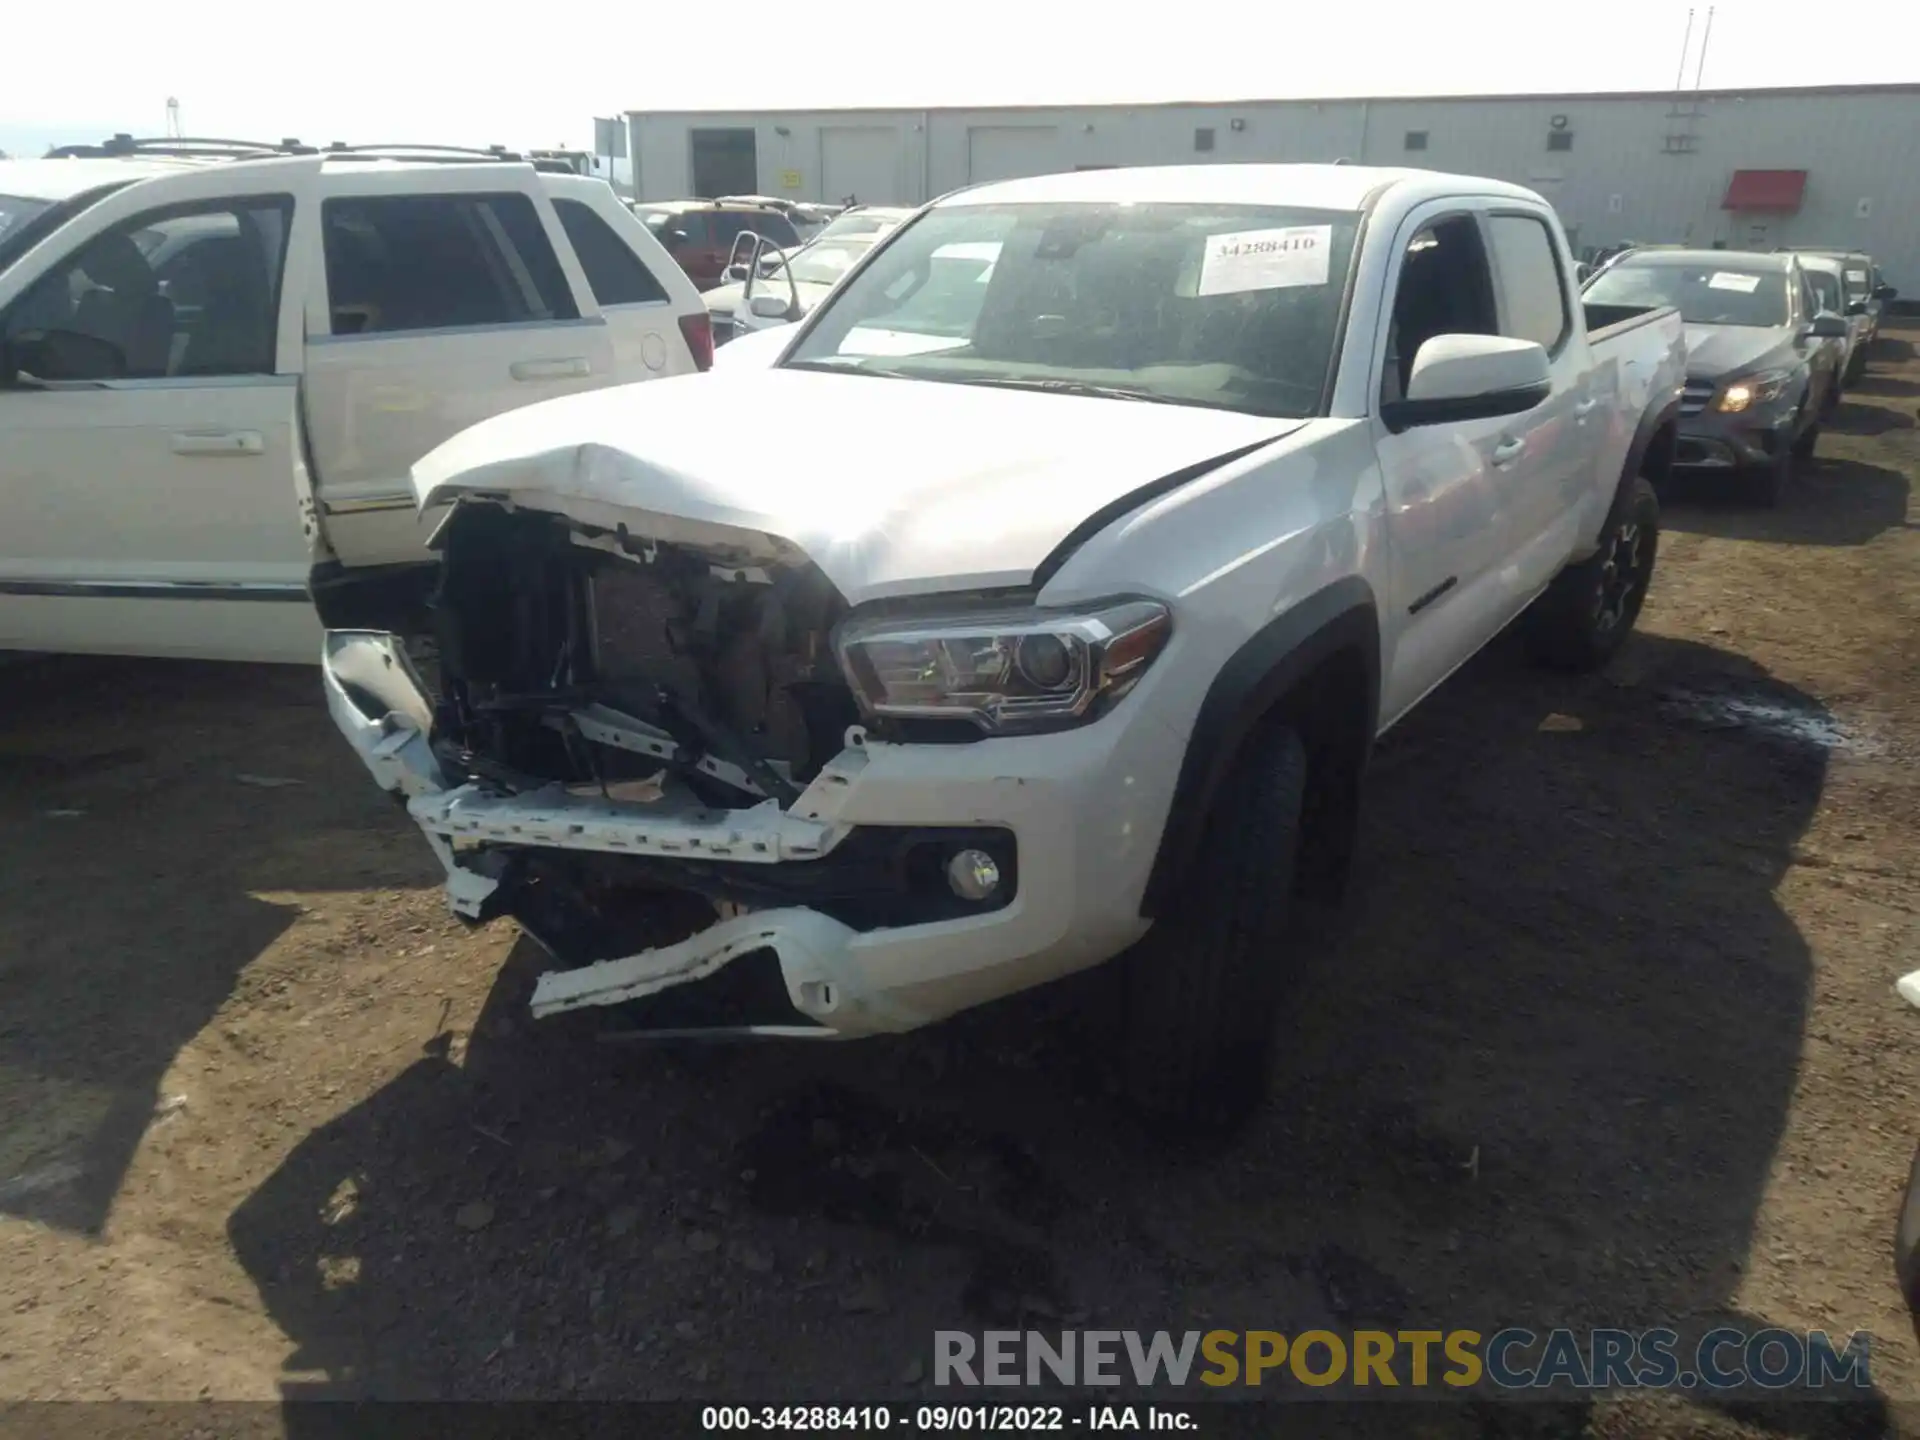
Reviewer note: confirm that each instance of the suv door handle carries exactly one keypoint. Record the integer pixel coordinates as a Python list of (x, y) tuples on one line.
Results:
[(218, 442), (1508, 450), (573, 367)]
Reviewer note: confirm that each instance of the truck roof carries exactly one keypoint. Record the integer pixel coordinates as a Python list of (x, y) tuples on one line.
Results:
[(1313, 187)]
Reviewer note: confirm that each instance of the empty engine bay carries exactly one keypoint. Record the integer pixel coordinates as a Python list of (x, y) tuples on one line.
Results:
[(601, 667)]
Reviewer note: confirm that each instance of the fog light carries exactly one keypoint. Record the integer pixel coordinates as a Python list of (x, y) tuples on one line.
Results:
[(973, 874)]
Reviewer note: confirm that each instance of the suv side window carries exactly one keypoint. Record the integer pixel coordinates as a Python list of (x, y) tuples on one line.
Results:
[(1445, 288), (616, 275), (1533, 295), (433, 262), (188, 290)]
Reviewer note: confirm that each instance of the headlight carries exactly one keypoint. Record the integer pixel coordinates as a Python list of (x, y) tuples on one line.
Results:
[(1006, 671), (1756, 389)]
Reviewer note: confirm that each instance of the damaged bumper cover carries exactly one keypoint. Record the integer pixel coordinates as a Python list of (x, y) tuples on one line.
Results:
[(1080, 808)]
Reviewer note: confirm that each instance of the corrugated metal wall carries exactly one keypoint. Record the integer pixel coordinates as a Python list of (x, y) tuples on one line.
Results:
[(1634, 168)]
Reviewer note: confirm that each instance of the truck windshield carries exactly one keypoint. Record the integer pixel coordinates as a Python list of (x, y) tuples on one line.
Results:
[(1704, 292), (1227, 306)]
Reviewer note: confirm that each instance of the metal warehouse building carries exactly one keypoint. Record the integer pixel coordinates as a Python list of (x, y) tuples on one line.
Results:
[(1750, 168)]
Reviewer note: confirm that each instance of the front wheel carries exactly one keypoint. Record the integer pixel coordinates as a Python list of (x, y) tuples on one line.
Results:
[(1586, 614), (1202, 990)]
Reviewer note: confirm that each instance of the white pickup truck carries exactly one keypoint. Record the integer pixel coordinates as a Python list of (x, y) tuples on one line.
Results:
[(217, 363), (1062, 631)]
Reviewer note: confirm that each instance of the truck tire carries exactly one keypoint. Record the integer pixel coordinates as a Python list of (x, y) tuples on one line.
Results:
[(1202, 991), (1588, 611)]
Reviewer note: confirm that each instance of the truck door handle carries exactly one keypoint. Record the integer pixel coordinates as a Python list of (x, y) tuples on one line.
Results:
[(1508, 450), (218, 442), (573, 367), (1585, 408)]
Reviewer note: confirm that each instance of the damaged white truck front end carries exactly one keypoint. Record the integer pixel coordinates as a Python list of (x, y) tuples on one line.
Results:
[(645, 746)]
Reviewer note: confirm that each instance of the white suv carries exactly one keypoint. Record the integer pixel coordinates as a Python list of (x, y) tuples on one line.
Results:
[(218, 362)]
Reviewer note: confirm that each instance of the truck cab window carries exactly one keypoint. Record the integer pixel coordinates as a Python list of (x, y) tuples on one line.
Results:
[(172, 293), (1533, 298), (1445, 288)]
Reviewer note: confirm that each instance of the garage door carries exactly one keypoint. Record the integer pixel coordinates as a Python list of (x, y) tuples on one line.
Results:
[(861, 161), (1006, 152)]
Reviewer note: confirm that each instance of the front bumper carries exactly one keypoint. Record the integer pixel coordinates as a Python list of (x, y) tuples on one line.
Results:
[(1084, 809), (1709, 439)]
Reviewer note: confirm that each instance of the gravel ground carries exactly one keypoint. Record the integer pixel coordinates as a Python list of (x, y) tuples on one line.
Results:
[(1610, 1038)]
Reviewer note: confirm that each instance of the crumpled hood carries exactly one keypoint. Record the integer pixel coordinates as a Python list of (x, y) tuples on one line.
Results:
[(891, 487), (1717, 352)]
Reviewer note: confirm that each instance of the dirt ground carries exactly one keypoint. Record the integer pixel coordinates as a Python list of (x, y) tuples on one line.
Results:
[(1609, 1039)]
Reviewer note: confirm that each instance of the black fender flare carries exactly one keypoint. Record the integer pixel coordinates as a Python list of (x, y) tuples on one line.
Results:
[(1273, 660), (1651, 424)]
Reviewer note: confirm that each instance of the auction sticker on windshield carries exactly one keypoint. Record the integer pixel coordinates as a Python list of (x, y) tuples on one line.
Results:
[(1856, 277), (1266, 259), (1727, 280)]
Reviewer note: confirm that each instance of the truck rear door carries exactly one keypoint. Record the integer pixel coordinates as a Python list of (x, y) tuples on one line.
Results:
[(150, 469), (448, 294), (1552, 473)]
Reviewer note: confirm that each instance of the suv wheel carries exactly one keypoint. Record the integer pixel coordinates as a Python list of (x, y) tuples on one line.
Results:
[(1588, 611), (1202, 990)]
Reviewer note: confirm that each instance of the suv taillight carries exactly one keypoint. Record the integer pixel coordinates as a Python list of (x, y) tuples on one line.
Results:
[(698, 330)]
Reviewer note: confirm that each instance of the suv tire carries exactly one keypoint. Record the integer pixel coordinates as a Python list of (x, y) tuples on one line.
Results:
[(1588, 611), (1202, 990)]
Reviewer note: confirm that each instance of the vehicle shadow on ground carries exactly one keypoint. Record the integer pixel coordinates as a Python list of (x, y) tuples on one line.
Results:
[(1832, 502), (1885, 385), (97, 991), (1539, 1081)]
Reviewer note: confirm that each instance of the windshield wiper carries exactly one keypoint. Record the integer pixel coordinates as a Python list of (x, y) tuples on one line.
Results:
[(1077, 387)]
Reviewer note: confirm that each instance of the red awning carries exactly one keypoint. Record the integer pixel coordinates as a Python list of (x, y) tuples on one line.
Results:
[(1765, 190)]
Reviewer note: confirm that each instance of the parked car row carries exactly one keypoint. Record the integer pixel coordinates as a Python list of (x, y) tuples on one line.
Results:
[(1773, 339)]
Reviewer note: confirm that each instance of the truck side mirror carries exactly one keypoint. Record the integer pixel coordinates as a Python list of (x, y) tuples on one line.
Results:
[(1828, 327), (1857, 307), (1885, 292), (769, 307), (1470, 377)]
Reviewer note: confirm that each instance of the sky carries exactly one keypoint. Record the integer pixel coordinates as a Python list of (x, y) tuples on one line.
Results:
[(365, 71)]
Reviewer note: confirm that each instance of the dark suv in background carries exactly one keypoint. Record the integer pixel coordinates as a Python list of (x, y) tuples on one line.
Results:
[(1763, 362), (699, 234)]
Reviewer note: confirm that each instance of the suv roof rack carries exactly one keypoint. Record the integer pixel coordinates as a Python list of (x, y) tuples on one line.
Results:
[(195, 148), (123, 145)]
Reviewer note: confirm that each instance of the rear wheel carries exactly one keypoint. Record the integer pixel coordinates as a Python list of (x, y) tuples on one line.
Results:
[(1202, 990), (1588, 611)]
